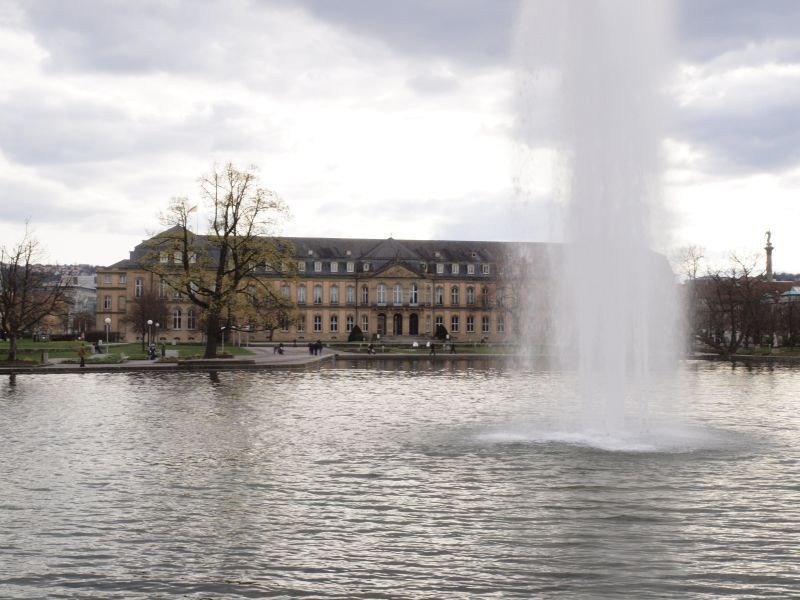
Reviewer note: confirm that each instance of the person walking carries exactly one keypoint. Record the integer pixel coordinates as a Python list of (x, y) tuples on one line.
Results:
[(82, 355), (433, 350), (452, 347)]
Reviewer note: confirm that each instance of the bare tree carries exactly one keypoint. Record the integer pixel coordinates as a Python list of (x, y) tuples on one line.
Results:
[(28, 293), (731, 307), (147, 307), (218, 272)]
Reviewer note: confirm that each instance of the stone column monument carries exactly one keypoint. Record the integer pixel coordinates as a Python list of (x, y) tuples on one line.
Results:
[(768, 248)]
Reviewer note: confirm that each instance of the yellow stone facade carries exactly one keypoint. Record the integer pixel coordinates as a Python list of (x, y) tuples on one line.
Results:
[(400, 290)]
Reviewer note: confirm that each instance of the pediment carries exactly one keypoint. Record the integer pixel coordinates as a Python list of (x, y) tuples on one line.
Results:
[(396, 270)]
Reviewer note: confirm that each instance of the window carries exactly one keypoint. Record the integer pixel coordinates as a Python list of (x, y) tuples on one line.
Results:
[(317, 323), (454, 323), (485, 297), (470, 324), (349, 323), (334, 267), (397, 294), (439, 268), (107, 302), (317, 294), (470, 269), (501, 324), (123, 279), (381, 293), (301, 294), (162, 289), (334, 294), (454, 295), (366, 267), (485, 324), (163, 257), (286, 292), (191, 319), (318, 266), (485, 269), (138, 288), (268, 267), (439, 295), (470, 295), (364, 294), (301, 324), (350, 294), (351, 267), (301, 266), (283, 323), (176, 318), (454, 269), (334, 324), (413, 294), (107, 278), (501, 297), (193, 258), (439, 321), (365, 323), (178, 258), (176, 294)]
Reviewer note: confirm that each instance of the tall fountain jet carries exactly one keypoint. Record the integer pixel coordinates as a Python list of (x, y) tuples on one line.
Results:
[(599, 67)]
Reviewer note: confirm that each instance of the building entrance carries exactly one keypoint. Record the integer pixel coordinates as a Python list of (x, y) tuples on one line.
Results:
[(397, 324), (413, 324)]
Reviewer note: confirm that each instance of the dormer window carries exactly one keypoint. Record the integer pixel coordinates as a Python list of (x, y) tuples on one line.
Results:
[(485, 269), (334, 267), (163, 257), (318, 266), (470, 269), (301, 266), (351, 266), (348, 253), (423, 267), (454, 268), (366, 267), (311, 253), (439, 268)]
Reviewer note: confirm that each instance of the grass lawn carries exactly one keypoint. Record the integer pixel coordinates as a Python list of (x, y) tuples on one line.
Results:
[(28, 350)]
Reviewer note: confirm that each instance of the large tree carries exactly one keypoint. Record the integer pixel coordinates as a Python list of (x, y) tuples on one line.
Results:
[(28, 292), (229, 272)]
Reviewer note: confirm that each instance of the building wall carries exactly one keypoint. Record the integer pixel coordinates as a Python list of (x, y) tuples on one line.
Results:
[(487, 308)]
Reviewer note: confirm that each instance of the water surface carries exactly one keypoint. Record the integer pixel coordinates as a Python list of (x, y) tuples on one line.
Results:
[(406, 480)]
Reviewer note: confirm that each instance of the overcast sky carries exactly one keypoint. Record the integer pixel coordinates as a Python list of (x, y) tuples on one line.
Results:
[(369, 118)]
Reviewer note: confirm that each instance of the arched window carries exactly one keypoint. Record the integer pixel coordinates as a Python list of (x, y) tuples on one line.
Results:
[(334, 294), (350, 294), (397, 295), (138, 289), (317, 294), (334, 323), (439, 295), (191, 319), (413, 294), (454, 295), (349, 323), (485, 297), (485, 324), (364, 294), (176, 319), (470, 295), (301, 293), (381, 293)]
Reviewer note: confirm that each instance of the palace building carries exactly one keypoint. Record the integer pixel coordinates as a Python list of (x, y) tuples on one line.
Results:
[(401, 290)]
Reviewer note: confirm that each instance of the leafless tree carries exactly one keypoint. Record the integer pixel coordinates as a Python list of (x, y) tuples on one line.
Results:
[(219, 272), (28, 292), (147, 307)]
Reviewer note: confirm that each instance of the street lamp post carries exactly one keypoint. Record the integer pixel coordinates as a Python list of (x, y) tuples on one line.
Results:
[(223, 337), (157, 326), (149, 331), (108, 329)]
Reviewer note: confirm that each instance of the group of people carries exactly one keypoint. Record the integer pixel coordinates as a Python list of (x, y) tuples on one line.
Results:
[(315, 348), (278, 349), (433, 348)]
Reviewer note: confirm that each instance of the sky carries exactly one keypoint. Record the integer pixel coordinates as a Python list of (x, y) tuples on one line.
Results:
[(370, 119)]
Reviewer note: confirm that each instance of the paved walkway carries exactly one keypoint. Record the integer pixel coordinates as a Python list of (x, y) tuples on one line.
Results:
[(262, 358)]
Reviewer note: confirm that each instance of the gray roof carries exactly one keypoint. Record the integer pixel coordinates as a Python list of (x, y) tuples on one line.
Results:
[(417, 255)]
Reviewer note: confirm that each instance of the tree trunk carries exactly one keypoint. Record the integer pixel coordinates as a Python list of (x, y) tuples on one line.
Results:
[(12, 347), (212, 334)]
